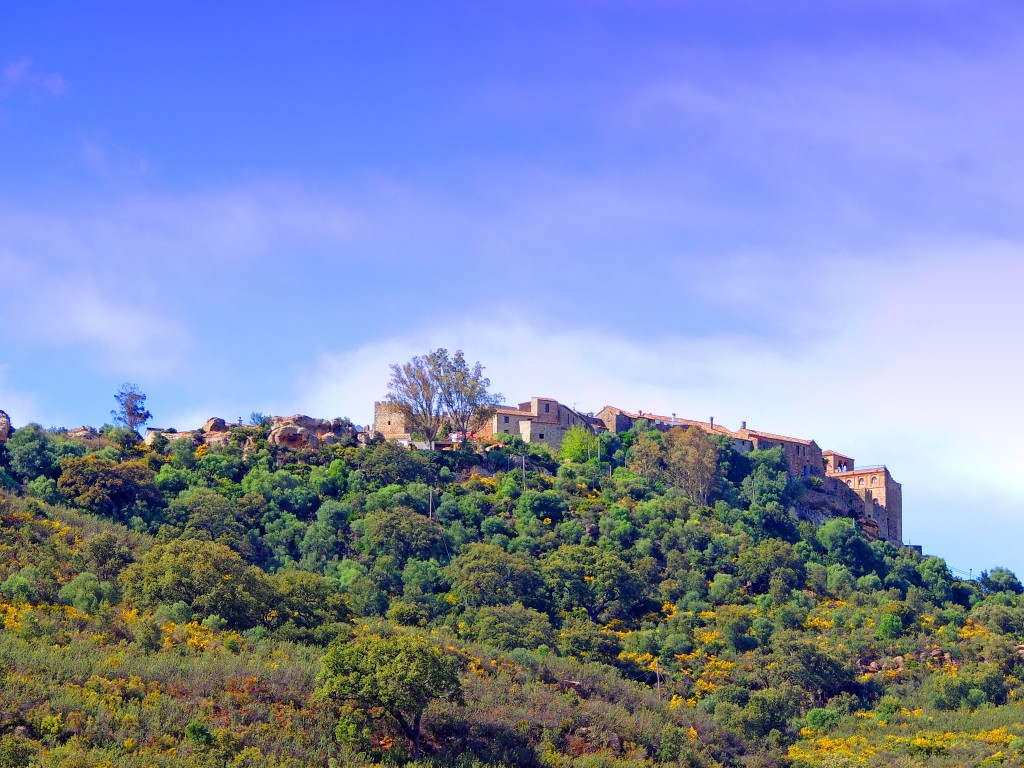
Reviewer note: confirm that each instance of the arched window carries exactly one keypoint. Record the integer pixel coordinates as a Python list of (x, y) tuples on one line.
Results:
[(874, 480), (860, 481)]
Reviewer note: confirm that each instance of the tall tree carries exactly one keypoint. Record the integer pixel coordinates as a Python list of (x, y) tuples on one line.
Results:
[(646, 457), (414, 389), (400, 674), (693, 462), (464, 392), (437, 386), (131, 408)]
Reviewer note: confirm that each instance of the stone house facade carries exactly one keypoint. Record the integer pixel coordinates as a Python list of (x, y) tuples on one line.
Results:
[(539, 420), (881, 494), (804, 456)]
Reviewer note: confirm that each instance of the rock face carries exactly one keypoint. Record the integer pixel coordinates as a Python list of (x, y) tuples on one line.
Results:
[(305, 432), (297, 432), (83, 433), (215, 432), (5, 426)]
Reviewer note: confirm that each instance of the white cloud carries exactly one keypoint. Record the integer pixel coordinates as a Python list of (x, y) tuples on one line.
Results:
[(22, 74), (72, 311), (919, 368)]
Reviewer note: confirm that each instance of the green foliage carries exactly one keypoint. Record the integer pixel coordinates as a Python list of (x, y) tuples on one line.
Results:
[(175, 609), (579, 444), (87, 593), (31, 453), (210, 578), (488, 575), (131, 410), (400, 674), (513, 626), (16, 751), (110, 489)]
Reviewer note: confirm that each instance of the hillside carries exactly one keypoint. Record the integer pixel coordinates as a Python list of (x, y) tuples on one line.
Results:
[(234, 604)]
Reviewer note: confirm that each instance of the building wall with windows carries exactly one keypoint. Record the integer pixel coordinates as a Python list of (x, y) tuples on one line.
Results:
[(882, 496), (538, 420)]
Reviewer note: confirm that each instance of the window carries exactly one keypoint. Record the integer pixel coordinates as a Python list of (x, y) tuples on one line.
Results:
[(541, 435), (505, 431), (547, 407), (506, 419), (848, 482), (874, 480), (860, 481)]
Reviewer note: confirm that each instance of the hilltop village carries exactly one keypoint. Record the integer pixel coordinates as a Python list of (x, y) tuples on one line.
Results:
[(835, 485)]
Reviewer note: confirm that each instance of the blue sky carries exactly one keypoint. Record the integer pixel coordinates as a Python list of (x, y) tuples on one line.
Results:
[(804, 217)]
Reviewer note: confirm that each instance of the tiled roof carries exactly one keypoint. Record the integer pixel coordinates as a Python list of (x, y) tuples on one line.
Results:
[(770, 436), (510, 411), (674, 421)]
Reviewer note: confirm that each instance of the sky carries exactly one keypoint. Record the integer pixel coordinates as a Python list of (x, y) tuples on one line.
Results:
[(802, 215)]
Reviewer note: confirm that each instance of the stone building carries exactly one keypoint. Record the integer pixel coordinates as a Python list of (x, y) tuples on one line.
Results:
[(389, 421), (539, 420), (804, 456), (881, 494), (869, 494), (617, 420)]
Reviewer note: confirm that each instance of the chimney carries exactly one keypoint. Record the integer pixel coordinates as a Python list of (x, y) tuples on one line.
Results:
[(711, 421), (743, 425), (673, 417)]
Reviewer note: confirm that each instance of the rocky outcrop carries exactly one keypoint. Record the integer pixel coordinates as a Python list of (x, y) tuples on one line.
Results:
[(832, 499), (83, 433), (5, 426), (306, 433), (215, 432), (297, 432)]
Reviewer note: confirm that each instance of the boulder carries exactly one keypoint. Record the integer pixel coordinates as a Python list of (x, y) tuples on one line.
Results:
[(83, 433), (5, 426), (215, 425), (307, 433), (292, 436)]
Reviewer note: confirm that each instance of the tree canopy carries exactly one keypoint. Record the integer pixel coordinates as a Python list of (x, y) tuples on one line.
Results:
[(401, 674)]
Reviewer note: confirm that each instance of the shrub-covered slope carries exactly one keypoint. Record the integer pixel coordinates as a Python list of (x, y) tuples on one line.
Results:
[(170, 605)]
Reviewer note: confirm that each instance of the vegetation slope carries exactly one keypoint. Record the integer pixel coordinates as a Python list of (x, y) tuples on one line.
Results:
[(254, 606)]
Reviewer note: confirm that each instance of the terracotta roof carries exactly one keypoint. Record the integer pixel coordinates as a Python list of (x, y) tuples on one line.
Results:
[(863, 470), (512, 411), (673, 421), (770, 436)]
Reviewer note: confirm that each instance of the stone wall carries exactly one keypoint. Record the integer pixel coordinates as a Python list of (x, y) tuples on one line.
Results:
[(389, 420), (614, 419), (835, 499), (546, 433)]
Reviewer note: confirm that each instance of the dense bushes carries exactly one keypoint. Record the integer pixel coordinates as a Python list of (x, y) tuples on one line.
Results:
[(170, 605)]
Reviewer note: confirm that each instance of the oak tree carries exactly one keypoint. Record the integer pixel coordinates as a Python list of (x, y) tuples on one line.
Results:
[(400, 674)]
